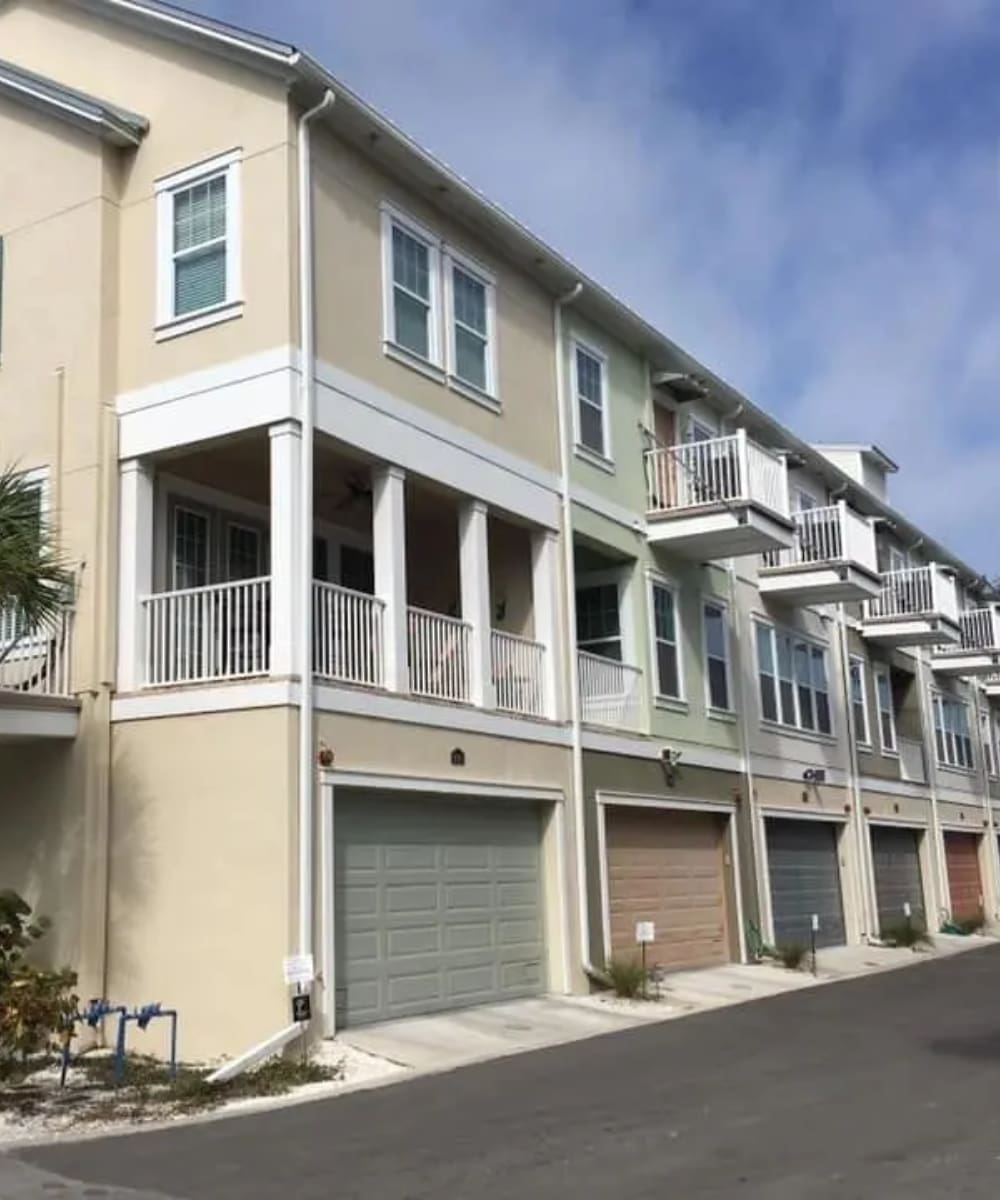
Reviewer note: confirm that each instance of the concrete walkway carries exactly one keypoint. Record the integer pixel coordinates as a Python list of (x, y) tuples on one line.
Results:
[(445, 1040)]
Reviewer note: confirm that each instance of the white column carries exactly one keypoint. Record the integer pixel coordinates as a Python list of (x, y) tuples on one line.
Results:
[(545, 594), (135, 568), (477, 606), (286, 441), (389, 540)]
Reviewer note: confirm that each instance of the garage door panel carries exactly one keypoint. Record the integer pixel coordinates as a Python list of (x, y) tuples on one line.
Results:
[(964, 881), (666, 866), (438, 904), (804, 870), (898, 877)]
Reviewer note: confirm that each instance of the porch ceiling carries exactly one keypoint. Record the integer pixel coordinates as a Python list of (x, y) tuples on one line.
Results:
[(26, 718)]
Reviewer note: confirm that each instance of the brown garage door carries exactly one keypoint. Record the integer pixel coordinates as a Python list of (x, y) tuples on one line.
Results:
[(667, 866), (961, 852)]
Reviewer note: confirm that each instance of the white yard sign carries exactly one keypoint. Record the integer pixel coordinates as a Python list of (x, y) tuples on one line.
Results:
[(298, 969), (645, 931)]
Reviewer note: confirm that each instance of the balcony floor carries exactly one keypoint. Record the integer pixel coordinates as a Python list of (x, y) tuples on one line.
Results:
[(966, 662), (25, 717), (819, 583), (719, 531), (916, 629)]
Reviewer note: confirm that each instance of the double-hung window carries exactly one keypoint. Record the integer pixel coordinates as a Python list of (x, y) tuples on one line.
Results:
[(952, 740), (989, 743), (472, 326), (665, 641), (859, 701), (886, 711), (414, 285), (198, 218), (590, 398), (716, 656), (598, 620), (793, 681)]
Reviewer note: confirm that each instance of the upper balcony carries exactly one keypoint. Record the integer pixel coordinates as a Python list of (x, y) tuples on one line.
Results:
[(978, 652), (35, 696), (719, 498), (992, 686), (610, 692), (916, 607), (833, 559)]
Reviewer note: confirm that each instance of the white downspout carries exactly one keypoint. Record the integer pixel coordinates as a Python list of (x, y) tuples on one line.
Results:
[(307, 390), (569, 583), (868, 912)]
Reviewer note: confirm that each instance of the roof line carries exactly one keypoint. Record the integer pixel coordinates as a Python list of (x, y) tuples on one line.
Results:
[(116, 125)]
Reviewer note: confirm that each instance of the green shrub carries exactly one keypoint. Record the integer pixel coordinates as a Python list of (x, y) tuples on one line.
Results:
[(35, 1004), (909, 934), (627, 977), (792, 955)]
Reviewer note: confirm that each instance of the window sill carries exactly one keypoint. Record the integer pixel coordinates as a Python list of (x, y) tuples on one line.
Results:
[(965, 772), (198, 320), (726, 715), (890, 753), (596, 460), (406, 358), (670, 704), (471, 392), (807, 735)]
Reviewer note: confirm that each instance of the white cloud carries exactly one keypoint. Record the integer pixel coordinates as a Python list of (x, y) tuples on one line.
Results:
[(844, 277)]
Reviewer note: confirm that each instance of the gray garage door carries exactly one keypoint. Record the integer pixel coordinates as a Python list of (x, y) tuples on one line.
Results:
[(438, 904), (805, 879), (896, 855)]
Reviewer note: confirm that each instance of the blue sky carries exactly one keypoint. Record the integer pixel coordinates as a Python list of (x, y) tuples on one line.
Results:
[(803, 193)]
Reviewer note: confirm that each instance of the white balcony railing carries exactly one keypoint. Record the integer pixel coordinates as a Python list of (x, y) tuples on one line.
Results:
[(980, 629), (609, 691), (915, 592), (348, 635), (912, 766), (518, 666), (200, 634), (38, 660), (724, 470), (835, 533), (438, 655)]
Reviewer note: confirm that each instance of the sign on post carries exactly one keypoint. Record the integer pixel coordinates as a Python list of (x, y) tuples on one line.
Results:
[(645, 931), (299, 970), (301, 1008)]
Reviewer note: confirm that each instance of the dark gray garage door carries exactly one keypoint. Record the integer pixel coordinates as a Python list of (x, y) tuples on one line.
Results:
[(805, 879), (438, 904), (896, 855)]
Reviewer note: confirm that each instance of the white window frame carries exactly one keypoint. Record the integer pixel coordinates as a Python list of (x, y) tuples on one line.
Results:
[(942, 705), (168, 323), (450, 259), (604, 457), (600, 579), (778, 723), (882, 674), (243, 527), (653, 581), (711, 708), (391, 218), (987, 733), (863, 737)]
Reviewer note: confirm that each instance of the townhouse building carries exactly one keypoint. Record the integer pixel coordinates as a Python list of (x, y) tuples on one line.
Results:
[(435, 614)]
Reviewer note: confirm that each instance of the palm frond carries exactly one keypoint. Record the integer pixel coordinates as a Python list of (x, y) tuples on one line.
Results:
[(35, 578)]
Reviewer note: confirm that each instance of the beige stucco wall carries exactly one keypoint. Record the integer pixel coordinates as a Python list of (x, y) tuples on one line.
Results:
[(202, 887), (349, 325)]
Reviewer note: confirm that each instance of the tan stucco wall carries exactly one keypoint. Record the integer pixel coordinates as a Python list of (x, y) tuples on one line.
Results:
[(202, 850), (349, 329)]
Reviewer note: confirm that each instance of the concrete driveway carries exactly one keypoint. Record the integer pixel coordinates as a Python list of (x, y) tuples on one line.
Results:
[(880, 1087)]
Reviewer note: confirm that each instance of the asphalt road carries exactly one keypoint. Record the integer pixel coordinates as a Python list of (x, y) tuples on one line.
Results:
[(882, 1087)]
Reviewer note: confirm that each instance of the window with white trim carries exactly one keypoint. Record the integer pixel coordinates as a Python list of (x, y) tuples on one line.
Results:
[(666, 649), (793, 680), (198, 237), (886, 710), (244, 552), (859, 701), (472, 339), (716, 656), (952, 741), (590, 391), (598, 620), (988, 733), (414, 285), (191, 549)]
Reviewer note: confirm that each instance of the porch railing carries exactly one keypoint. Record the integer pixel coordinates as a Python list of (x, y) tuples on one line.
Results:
[(916, 591), (348, 635), (912, 765), (834, 533), (438, 655), (518, 673), (36, 660), (723, 470), (609, 691), (980, 629), (216, 632)]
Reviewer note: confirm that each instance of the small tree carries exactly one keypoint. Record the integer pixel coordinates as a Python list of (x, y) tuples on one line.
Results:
[(35, 1004)]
